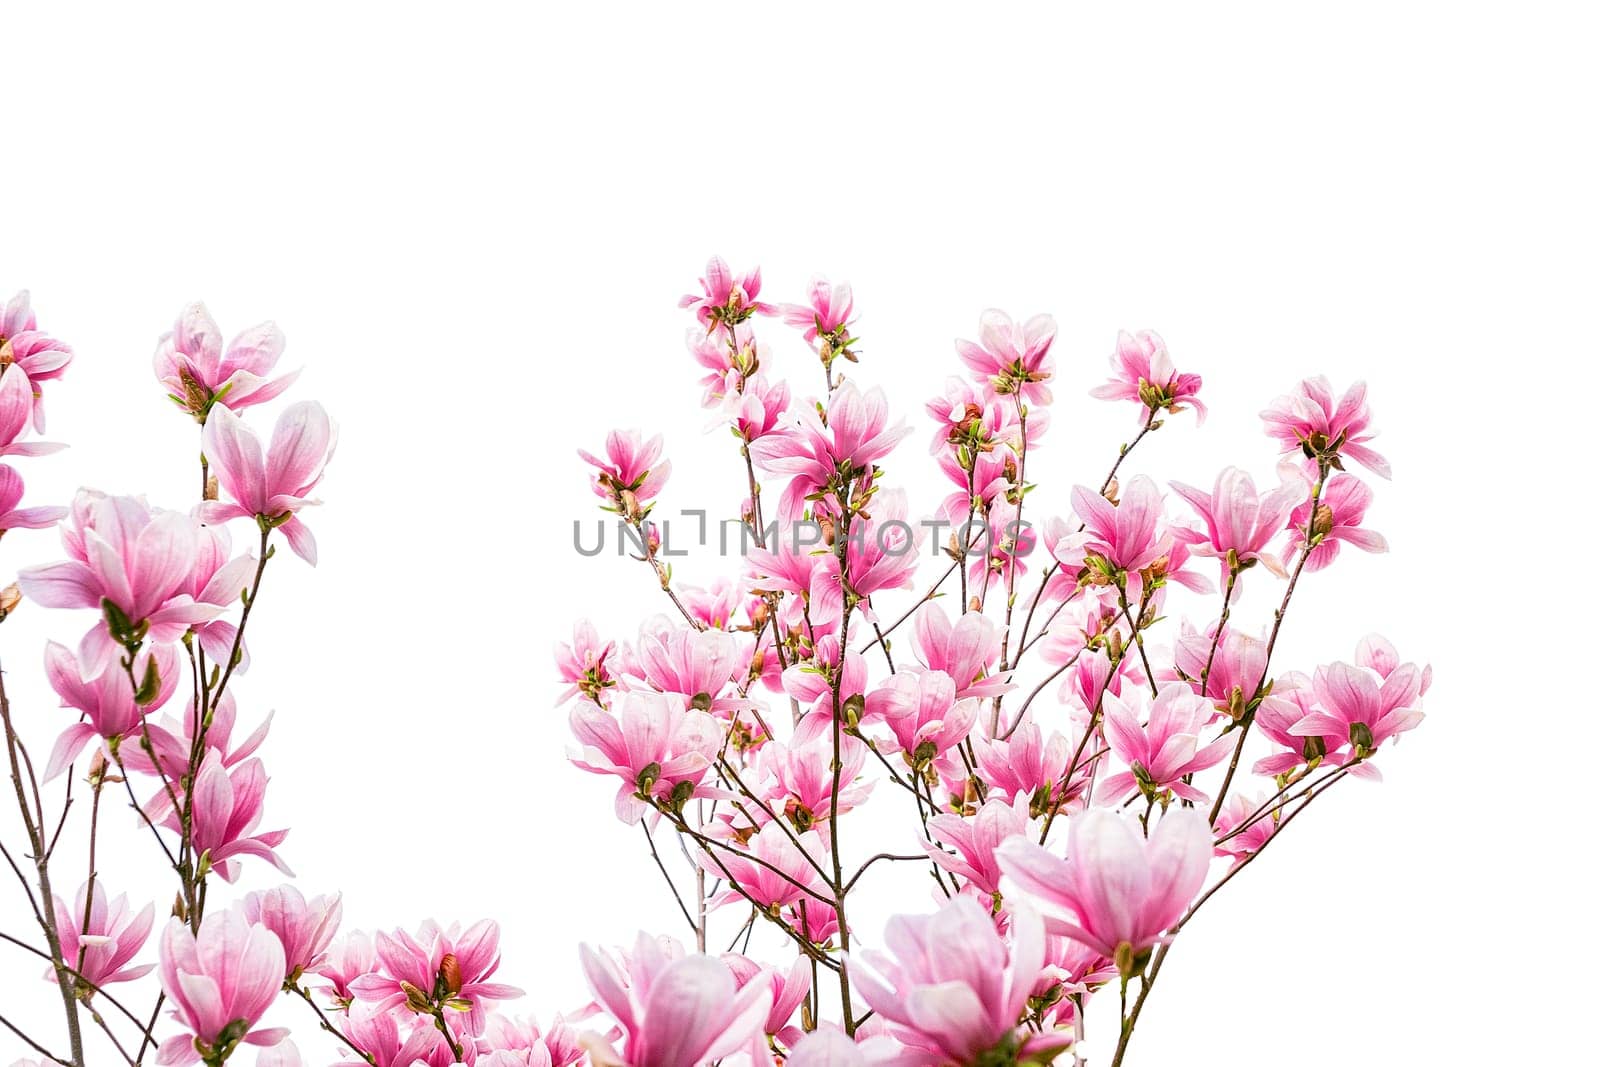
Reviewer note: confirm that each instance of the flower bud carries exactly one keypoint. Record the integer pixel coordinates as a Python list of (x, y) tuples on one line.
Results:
[(10, 598)]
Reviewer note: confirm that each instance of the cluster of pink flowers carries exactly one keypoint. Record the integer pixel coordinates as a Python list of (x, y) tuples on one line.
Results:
[(755, 715), (1069, 766)]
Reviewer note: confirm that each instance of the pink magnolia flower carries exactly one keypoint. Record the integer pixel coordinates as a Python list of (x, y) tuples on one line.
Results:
[(827, 313), (1117, 891), (726, 299), (788, 989), (952, 989), (1238, 667), (135, 559), (1291, 701), (1127, 536), (797, 777), (782, 874), (1141, 370), (659, 747), (15, 518), (226, 807), (673, 1011), (345, 960), (198, 373), (439, 968), (966, 650), (715, 606), (975, 840), (557, 1045), (1346, 497), (1028, 766), (1361, 706), (632, 474), (829, 1046), (1010, 359), (173, 739), (811, 683), (1161, 752), (106, 701), (759, 408), (271, 488), (880, 552), (922, 712), (1238, 840), (819, 453), (588, 667), (17, 414), (697, 665), (1239, 522), (1310, 422), (219, 581), (305, 928), (377, 1033), (220, 983), (113, 935), (40, 357)]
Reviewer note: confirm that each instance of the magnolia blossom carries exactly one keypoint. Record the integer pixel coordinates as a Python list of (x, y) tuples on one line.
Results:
[(726, 299), (827, 312), (1162, 752), (1232, 666), (966, 650), (105, 934), (789, 988), (1363, 707), (1346, 499), (1117, 891), (673, 1010), (632, 474), (784, 872), (817, 453), (137, 560), (953, 989), (273, 487), (1311, 422), (976, 839), (660, 748), (304, 927), (1142, 371), (106, 701), (1244, 824), (697, 665), (198, 373), (1010, 359), (1239, 522), (587, 667), (1128, 536), (226, 807), (40, 357), (797, 777), (1028, 766), (219, 982), (923, 715), (439, 967)]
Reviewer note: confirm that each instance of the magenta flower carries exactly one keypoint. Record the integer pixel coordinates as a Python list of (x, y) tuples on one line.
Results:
[(881, 552), (1161, 752), (697, 665), (822, 455), (136, 560), (975, 840), (658, 747), (758, 410), (674, 1012), (173, 739), (1142, 371), (35, 353), (305, 928), (726, 299), (377, 1033), (798, 779), (922, 712), (1239, 522), (953, 989), (1291, 701), (1010, 359), (632, 474), (1117, 891), (198, 373), (271, 488), (788, 989), (18, 414), (1358, 704), (782, 874), (105, 702), (114, 935), (1027, 766), (1127, 536), (219, 581), (1310, 422), (15, 518), (827, 313), (220, 983), (438, 969), (1346, 497), (966, 650), (1238, 666), (345, 960), (226, 809), (1241, 844), (587, 667)]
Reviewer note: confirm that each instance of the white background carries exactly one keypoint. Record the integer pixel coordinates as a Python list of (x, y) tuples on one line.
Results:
[(473, 224)]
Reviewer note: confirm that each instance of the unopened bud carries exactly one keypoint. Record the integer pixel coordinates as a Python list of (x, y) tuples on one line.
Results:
[(10, 597), (450, 973), (1322, 524), (1111, 490), (827, 525), (211, 487)]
